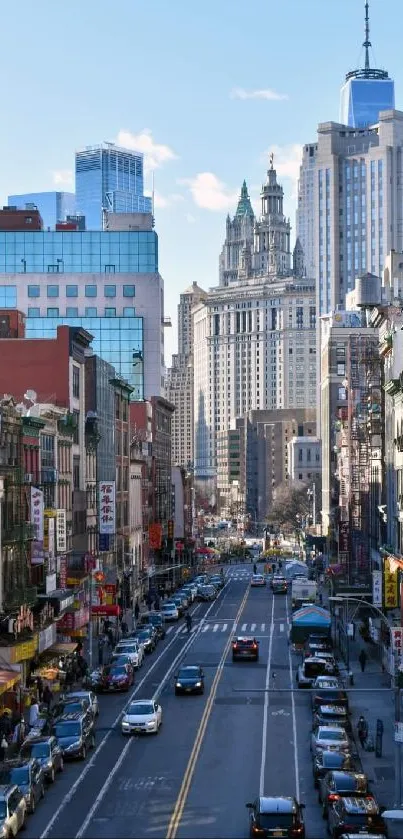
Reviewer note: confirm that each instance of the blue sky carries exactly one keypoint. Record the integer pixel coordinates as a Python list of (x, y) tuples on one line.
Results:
[(204, 89)]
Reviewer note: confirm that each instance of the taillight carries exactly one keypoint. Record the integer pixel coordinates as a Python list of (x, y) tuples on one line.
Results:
[(235, 646), (333, 797), (254, 645), (257, 831)]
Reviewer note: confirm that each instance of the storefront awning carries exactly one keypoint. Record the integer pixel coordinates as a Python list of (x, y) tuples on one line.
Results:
[(8, 678), (61, 648), (60, 599), (105, 611)]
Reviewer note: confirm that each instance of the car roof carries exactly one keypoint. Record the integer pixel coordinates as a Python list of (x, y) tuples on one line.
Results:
[(329, 756), (339, 775), (39, 738), (245, 638), (81, 694), (7, 789), (333, 709), (141, 702), (331, 728), (190, 667), (280, 804), (360, 805)]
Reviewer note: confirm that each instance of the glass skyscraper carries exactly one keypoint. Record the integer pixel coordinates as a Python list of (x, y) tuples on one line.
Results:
[(53, 206), (109, 178)]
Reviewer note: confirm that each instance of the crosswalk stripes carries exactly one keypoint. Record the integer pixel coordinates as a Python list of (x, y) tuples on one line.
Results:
[(226, 626)]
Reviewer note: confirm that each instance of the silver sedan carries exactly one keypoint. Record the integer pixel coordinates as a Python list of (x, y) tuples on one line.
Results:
[(330, 738)]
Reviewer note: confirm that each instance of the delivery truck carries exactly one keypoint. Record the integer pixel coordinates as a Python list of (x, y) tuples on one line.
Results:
[(303, 591)]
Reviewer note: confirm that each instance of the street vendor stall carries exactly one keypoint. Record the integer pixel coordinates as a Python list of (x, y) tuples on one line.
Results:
[(307, 621), (49, 668)]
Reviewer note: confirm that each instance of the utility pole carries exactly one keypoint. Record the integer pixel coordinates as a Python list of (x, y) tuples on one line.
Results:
[(314, 504), (90, 631)]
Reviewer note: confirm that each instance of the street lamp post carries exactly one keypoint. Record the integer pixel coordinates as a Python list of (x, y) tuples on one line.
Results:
[(396, 689)]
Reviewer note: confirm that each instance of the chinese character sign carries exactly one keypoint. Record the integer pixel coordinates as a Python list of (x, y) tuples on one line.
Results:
[(63, 572), (37, 509), (390, 586), (397, 645), (61, 534), (377, 588), (107, 507)]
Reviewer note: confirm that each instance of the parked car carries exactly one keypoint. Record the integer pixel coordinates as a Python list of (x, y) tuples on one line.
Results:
[(181, 603), (29, 776), (330, 737), (279, 816), (47, 751), (325, 761), (218, 581), (85, 694), (117, 677), (75, 735), (355, 815), (332, 668), (336, 784), (146, 636), (207, 593), (131, 649), (13, 810), (332, 715), (170, 611), (328, 691), (309, 670), (71, 706), (157, 620)]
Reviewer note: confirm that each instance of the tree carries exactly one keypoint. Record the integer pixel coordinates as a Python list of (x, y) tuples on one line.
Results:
[(292, 503)]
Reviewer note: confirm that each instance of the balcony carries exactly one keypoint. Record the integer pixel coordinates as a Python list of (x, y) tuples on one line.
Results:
[(24, 596), (19, 532)]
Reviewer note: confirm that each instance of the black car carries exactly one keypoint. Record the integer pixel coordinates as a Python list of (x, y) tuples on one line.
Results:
[(328, 691), (217, 581), (336, 784), (29, 777), (355, 815), (332, 715), (245, 648), (71, 706), (190, 679), (47, 751), (326, 761), (74, 734), (279, 816), (155, 619), (146, 636)]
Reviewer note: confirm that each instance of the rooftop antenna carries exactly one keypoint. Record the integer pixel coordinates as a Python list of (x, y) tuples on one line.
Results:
[(367, 43), (152, 193)]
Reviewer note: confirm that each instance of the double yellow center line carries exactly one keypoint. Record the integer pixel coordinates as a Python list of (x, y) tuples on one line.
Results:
[(177, 814)]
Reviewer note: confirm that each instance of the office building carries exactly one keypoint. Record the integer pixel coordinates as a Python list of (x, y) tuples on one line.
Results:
[(179, 383), (304, 459), (254, 339), (106, 282), (366, 91), (53, 206), (109, 179)]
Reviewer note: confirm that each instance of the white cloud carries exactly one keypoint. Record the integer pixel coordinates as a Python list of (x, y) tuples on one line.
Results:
[(155, 154), (189, 218), (287, 160), (266, 93), (163, 201), (209, 193), (63, 177)]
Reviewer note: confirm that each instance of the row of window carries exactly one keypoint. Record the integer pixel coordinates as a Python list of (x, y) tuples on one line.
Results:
[(72, 312), (73, 291)]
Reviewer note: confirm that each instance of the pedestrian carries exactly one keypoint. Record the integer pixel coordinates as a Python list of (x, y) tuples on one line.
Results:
[(79, 647), (124, 627), (136, 610), (362, 658), (101, 643), (362, 730), (5, 723), (39, 685), (33, 714), (19, 732), (156, 604), (3, 747), (47, 697), (111, 638)]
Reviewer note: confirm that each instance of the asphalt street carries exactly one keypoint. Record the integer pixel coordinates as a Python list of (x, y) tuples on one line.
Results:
[(247, 735)]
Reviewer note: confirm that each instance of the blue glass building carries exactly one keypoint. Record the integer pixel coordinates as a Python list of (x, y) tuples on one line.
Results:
[(109, 178), (53, 206)]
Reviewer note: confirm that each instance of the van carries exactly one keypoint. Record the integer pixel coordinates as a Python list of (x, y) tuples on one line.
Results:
[(156, 619)]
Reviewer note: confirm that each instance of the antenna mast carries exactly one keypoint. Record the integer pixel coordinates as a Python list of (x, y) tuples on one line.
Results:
[(367, 43), (152, 199)]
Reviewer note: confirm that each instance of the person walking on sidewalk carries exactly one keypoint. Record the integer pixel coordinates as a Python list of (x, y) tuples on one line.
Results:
[(47, 697), (362, 730), (362, 658), (136, 610)]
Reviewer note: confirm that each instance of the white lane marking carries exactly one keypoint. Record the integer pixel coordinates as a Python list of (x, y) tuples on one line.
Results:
[(281, 627), (294, 719), (243, 627), (68, 797), (266, 703), (280, 713), (224, 627), (205, 628), (262, 627), (170, 628), (252, 627), (215, 627)]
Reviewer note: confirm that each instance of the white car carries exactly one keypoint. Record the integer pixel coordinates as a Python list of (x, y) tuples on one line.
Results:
[(134, 651), (144, 716), (257, 581), (170, 611)]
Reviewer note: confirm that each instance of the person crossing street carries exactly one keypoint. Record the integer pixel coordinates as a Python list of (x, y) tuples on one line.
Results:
[(189, 622)]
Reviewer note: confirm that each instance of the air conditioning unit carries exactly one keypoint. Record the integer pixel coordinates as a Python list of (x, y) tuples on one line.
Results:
[(28, 478)]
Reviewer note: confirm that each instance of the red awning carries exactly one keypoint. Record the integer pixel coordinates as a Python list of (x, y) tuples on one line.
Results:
[(105, 611)]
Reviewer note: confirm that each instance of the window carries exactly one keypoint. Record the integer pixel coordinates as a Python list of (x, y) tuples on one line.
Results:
[(53, 290), (76, 382), (34, 312), (110, 312), (53, 312), (110, 291), (129, 312), (76, 433), (8, 296), (341, 394), (71, 312), (76, 472), (91, 312), (71, 290), (90, 291), (34, 291), (129, 291), (341, 368)]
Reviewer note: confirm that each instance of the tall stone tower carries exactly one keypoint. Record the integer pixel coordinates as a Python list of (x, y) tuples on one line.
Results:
[(272, 233), (239, 231)]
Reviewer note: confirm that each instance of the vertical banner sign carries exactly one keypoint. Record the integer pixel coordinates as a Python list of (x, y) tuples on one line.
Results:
[(397, 642), (377, 588), (389, 586), (107, 507), (37, 511), (51, 545), (63, 572), (155, 536), (61, 531)]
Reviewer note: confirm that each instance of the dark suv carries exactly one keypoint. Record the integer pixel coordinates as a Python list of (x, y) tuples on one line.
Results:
[(337, 784), (278, 816), (245, 648), (355, 815), (47, 751), (155, 619), (28, 776), (74, 734)]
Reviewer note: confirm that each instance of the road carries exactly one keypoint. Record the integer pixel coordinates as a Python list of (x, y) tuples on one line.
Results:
[(214, 752)]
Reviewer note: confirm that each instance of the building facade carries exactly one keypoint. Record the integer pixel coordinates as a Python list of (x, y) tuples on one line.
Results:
[(304, 459), (53, 206), (109, 179)]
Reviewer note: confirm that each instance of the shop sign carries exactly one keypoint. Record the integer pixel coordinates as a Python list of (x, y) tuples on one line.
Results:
[(377, 588), (66, 622), (61, 531), (46, 615), (37, 513), (24, 651), (155, 536), (390, 586), (63, 572), (107, 507), (51, 583), (37, 554), (49, 531), (66, 603), (396, 633), (46, 638)]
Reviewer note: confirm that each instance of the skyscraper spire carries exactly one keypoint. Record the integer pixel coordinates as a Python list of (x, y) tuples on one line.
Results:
[(367, 43)]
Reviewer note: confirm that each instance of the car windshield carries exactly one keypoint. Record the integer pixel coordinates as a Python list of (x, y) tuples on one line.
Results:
[(188, 672), (168, 607), (312, 668), (69, 708), (35, 750), (20, 775), (144, 633), (3, 810), (126, 648), (117, 671), (244, 642), (334, 760), (351, 783), (273, 820), (331, 734), (67, 729), (139, 709)]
